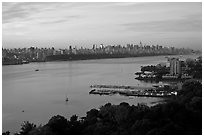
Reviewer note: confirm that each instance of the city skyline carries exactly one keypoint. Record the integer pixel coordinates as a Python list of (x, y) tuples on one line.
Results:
[(84, 24)]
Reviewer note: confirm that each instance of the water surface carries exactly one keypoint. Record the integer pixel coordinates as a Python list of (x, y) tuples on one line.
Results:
[(41, 94)]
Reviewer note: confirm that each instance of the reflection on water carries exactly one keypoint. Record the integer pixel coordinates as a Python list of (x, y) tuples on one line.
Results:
[(38, 95)]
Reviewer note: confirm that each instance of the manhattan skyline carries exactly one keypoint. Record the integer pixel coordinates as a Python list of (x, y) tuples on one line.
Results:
[(84, 24)]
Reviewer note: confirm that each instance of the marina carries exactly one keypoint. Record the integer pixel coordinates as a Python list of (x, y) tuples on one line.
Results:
[(154, 91)]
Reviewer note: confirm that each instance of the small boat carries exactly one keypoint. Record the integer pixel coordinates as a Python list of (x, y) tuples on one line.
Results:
[(66, 99), (25, 62), (37, 70), (92, 91)]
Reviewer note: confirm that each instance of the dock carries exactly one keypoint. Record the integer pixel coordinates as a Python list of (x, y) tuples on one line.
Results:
[(131, 91)]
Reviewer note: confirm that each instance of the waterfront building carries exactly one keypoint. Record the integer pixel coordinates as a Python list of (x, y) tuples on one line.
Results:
[(74, 50), (186, 76), (168, 64), (54, 52), (70, 49), (175, 66), (169, 76)]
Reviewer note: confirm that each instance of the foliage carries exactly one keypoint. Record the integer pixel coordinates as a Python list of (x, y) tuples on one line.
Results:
[(191, 95), (158, 70), (149, 68), (6, 133), (26, 127), (195, 67), (58, 124)]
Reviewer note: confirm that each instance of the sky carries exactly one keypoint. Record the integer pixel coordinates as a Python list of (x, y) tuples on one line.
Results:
[(80, 24)]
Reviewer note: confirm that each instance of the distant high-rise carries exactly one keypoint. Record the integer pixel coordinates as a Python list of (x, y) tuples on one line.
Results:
[(70, 49), (94, 46), (141, 44), (175, 66)]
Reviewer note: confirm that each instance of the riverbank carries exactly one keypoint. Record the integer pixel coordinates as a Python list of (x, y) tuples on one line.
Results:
[(18, 62), (97, 56), (76, 57), (14, 62)]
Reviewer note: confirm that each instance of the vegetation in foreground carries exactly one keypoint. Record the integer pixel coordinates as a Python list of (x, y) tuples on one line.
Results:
[(180, 115)]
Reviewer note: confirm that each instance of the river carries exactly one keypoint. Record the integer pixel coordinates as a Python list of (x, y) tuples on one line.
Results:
[(36, 96)]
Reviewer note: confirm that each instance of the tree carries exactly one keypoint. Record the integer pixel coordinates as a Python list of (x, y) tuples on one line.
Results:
[(192, 87), (74, 126), (26, 127), (6, 133), (58, 124), (195, 67)]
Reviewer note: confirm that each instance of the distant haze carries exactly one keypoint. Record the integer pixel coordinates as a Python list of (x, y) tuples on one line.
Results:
[(84, 24)]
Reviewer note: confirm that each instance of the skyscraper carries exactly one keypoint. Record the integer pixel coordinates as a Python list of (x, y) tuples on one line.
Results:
[(70, 49), (175, 66)]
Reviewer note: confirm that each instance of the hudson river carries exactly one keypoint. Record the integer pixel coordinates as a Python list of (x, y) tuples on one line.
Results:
[(36, 96)]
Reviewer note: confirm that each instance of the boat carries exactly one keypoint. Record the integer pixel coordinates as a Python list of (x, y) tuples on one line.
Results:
[(92, 91), (25, 62), (66, 99), (37, 70)]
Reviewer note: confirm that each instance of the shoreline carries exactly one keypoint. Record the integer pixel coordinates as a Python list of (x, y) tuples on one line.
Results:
[(87, 57), (75, 57)]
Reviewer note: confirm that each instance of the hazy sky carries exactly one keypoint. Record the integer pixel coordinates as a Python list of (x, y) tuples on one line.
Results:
[(85, 24)]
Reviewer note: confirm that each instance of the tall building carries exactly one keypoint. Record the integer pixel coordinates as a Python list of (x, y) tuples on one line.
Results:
[(94, 47), (175, 66), (70, 49)]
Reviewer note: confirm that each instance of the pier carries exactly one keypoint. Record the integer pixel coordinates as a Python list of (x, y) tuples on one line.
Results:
[(132, 91)]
